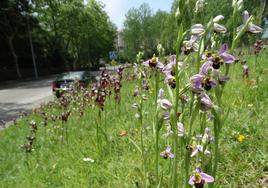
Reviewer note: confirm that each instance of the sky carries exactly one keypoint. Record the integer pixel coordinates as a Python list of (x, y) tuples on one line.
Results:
[(117, 9)]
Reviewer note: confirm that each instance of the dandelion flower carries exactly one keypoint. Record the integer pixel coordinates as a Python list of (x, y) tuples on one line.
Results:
[(241, 138)]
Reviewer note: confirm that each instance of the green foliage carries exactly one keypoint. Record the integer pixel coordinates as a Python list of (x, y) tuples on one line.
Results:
[(56, 162), (81, 32), (66, 33), (143, 30)]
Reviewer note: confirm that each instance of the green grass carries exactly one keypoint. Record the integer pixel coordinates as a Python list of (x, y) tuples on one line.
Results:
[(57, 161)]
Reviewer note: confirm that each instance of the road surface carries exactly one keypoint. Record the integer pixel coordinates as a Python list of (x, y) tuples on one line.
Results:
[(19, 97)]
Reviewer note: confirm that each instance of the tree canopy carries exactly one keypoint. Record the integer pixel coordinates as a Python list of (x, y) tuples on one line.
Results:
[(68, 34), (143, 29)]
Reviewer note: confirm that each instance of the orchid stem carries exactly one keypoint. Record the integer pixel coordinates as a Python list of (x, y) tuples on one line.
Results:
[(141, 135), (157, 152), (156, 129)]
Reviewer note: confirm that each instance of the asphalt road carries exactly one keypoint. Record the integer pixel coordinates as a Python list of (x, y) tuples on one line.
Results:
[(19, 97)]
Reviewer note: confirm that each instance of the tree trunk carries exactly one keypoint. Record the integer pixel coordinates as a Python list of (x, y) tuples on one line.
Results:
[(74, 64), (14, 56), (262, 11), (265, 8)]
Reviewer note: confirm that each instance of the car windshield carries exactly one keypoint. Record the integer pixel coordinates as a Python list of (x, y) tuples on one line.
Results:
[(71, 76)]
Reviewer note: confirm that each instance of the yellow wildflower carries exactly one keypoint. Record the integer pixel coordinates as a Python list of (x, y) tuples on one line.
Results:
[(241, 138)]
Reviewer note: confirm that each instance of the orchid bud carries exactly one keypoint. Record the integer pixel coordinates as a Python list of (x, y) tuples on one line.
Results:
[(199, 5), (160, 49), (234, 3), (161, 94), (197, 29), (139, 56), (180, 128), (205, 102), (239, 5), (219, 28), (218, 18), (178, 13), (245, 16)]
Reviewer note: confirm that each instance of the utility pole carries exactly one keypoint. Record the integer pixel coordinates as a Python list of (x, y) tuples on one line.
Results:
[(24, 8), (32, 48)]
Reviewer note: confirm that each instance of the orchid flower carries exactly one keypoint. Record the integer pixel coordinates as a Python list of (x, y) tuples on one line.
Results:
[(169, 69), (167, 153), (200, 178), (154, 63), (191, 45), (164, 103), (205, 102), (206, 67), (252, 28), (197, 149), (227, 58), (170, 80), (196, 83), (214, 61), (199, 82)]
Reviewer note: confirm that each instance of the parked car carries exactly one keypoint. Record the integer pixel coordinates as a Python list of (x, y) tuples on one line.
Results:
[(102, 63), (65, 80)]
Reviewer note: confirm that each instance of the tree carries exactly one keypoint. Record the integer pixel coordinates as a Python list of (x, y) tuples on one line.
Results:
[(9, 23), (142, 31), (82, 33)]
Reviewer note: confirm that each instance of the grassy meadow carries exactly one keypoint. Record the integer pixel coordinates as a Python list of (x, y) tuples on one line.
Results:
[(94, 148)]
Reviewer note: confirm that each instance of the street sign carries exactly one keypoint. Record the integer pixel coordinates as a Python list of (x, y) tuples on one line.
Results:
[(113, 55)]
